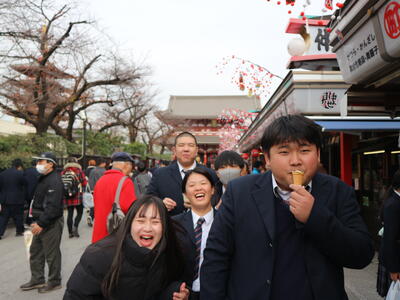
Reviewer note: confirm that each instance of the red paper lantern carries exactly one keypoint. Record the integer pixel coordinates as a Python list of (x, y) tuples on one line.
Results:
[(255, 153), (245, 156)]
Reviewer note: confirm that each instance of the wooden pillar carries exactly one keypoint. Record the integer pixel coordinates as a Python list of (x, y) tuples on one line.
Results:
[(345, 158)]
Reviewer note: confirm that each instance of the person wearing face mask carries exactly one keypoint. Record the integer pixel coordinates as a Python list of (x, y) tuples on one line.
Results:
[(229, 165), (47, 225), (142, 260), (105, 189), (198, 187)]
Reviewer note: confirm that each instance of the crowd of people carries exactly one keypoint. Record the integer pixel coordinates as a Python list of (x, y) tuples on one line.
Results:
[(188, 231)]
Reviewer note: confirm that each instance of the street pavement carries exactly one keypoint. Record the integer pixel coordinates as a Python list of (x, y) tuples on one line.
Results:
[(360, 284)]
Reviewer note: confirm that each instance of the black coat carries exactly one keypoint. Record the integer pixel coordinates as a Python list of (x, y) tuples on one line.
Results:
[(47, 203), (239, 257), (137, 280), (32, 178), (390, 246), (12, 187), (167, 182), (188, 243)]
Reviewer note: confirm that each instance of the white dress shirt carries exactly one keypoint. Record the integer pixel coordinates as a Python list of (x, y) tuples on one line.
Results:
[(285, 195), (208, 219), (183, 169)]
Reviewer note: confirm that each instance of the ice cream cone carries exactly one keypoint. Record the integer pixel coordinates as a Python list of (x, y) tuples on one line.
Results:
[(298, 177)]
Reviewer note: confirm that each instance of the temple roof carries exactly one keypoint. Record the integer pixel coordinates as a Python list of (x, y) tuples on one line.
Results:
[(32, 70), (206, 107)]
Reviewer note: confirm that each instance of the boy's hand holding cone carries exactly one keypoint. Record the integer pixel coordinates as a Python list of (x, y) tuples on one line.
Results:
[(301, 201)]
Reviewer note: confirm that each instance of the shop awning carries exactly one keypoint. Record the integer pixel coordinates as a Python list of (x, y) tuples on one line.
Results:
[(359, 125)]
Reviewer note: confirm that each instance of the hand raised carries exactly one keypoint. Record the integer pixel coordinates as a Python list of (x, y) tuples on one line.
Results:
[(183, 293), (169, 203), (301, 203)]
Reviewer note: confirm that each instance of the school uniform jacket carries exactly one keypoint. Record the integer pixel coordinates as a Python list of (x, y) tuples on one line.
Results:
[(391, 235), (239, 256), (187, 240)]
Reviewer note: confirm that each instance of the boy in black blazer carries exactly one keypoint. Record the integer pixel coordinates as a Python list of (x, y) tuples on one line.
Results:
[(198, 186), (166, 182), (273, 239)]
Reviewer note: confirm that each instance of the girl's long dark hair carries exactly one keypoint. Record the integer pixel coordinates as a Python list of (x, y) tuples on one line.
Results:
[(174, 264)]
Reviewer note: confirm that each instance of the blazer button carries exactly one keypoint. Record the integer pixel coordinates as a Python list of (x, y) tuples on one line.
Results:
[(270, 245), (269, 282)]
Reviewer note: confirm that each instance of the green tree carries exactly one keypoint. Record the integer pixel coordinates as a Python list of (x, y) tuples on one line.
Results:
[(135, 148)]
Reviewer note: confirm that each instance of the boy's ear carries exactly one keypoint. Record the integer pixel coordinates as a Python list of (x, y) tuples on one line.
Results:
[(267, 159)]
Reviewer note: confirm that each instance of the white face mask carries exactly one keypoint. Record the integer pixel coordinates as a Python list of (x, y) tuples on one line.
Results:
[(226, 175), (41, 169)]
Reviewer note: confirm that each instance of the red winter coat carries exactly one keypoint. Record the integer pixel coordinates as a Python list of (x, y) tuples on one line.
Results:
[(77, 169), (104, 193)]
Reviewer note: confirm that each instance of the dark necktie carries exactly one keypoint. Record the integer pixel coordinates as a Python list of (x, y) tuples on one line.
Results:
[(197, 238), (184, 172)]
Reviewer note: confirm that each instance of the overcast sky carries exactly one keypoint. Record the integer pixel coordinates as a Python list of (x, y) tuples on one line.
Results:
[(183, 40)]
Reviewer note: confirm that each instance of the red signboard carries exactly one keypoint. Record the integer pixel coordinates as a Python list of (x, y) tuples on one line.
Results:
[(392, 20)]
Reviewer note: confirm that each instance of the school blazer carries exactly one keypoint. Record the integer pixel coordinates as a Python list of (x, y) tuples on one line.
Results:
[(187, 241), (239, 256), (390, 246)]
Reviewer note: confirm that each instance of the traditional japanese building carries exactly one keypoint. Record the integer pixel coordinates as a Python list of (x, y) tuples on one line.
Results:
[(198, 115)]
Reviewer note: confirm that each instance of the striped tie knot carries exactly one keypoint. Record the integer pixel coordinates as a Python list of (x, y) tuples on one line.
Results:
[(200, 221)]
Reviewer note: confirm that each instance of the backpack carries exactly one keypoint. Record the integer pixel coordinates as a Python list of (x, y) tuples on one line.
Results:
[(71, 184), (116, 215)]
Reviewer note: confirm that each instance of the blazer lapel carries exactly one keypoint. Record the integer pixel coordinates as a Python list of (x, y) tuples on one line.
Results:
[(174, 170), (264, 198), (318, 189), (188, 224)]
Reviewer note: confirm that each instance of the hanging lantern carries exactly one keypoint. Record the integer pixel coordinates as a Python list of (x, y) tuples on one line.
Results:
[(328, 4), (241, 84), (296, 47), (245, 156), (255, 153)]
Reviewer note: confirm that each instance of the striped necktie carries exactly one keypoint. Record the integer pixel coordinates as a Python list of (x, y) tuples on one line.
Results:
[(197, 238), (184, 172)]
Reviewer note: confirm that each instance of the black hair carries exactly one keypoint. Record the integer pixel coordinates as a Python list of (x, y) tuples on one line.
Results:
[(185, 133), (291, 128), (396, 180), (197, 170), (100, 161), (16, 163), (72, 159), (168, 244), (141, 166), (257, 164), (165, 162), (228, 158), (33, 162)]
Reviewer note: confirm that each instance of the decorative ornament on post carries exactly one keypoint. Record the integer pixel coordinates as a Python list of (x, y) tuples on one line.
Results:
[(296, 46), (245, 156)]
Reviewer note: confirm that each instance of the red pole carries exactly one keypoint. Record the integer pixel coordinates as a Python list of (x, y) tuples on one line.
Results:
[(345, 158)]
